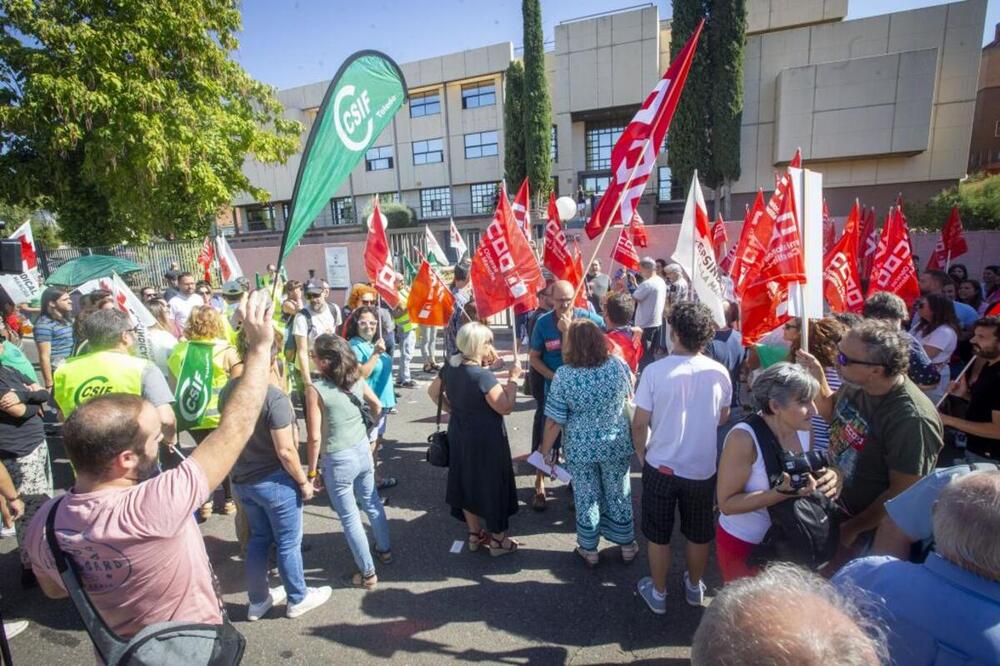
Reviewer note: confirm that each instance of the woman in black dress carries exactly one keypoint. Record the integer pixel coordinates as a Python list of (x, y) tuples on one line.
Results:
[(481, 487)]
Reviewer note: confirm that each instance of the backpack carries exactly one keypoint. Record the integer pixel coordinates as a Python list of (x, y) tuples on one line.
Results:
[(174, 642), (803, 529), (290, 349)]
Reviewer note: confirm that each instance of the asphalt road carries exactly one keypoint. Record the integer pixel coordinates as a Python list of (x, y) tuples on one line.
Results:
[(539, 606)]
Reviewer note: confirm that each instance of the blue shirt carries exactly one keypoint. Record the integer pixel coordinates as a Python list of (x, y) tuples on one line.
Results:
[(380, 380), (547, 339), (58, 333), (937, 612)]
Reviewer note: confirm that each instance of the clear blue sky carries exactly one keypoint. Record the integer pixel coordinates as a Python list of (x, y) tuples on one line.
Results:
[(292, 42)]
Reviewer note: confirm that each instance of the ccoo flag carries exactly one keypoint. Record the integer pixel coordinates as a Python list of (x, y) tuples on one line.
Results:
[(841, 283), (378, 258), (359, 103), (951, 244)]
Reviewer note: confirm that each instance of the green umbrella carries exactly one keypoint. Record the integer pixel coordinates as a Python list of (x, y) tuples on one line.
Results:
[(77, 271)]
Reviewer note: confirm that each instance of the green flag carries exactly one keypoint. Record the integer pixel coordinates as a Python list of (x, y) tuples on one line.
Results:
[(362, 98), (194, 384), (411, 270)]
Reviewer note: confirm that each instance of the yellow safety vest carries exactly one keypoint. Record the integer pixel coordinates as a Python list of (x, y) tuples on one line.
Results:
[(85, 377), (210, 419)]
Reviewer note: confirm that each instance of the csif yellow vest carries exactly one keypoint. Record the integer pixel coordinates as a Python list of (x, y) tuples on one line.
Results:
[(85, 377)]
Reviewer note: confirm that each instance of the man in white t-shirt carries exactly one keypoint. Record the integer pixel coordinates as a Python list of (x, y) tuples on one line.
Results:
[(312, 321), (650, 297), (184, 302), (683, 398)]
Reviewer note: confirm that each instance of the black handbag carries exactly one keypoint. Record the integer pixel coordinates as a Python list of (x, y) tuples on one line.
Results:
[(437, 442), (366, 412)]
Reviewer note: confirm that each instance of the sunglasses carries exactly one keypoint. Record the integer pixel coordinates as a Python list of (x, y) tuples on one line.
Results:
[(843, 360), (367, 302)]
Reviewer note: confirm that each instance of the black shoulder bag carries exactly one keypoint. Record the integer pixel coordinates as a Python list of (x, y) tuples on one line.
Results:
[(366, 413), (437, 442), (175, 642), (803, 528)]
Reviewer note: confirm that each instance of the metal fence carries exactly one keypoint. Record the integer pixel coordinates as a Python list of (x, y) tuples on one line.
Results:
[(155, 258)]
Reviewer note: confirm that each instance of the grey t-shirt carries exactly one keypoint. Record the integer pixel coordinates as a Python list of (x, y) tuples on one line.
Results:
[(259, 459), (343, 426), (155, 387)]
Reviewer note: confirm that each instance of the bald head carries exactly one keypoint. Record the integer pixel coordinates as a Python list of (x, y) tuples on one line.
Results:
[(98, 430), (562, 295), (784, 616), (967, 522)]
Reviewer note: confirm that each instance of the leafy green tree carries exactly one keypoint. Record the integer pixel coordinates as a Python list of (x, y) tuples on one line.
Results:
[(688, 141), (537, 105), (43, 231), (130, 119), (398, 215), (513, 125), (727, 28), (977, 198)]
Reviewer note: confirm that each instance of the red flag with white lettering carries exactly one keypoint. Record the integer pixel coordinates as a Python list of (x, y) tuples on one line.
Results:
[(867, 243), (520, 209), (504, 270), (555, 252), (748, 248), (430, 302), (719, 237), (634, 155), (951, 244), (624, 252), (378, 258), (639, 236), (829, 229), (206, 257), (892, 268), (841, 283)]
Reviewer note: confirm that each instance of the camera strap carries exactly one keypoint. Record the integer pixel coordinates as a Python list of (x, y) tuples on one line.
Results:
[(770, 449)]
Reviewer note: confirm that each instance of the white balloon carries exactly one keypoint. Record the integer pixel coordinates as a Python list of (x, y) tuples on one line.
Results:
[(566, 207)]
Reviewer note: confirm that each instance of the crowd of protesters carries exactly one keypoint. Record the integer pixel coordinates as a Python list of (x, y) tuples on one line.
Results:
[(841, 438)]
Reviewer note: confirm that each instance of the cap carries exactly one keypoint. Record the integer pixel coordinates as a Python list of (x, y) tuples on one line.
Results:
[(232, 287), (314, 288)]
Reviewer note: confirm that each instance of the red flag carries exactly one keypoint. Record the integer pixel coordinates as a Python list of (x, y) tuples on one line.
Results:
[(206, 257), (580, 275), (624, 252), (747, 247), (829, 230), (555, 252), (796, 162), (430, 302), (719, 237), (520, 209), (951, 244), (378, 258), (634, 155), (504, 270), (639, 237), (841, 283), (892, 268), (726, 264), (29, 258), (867, 242)]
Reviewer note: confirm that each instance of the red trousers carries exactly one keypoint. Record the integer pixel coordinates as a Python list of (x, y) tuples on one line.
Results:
[(732, 554)]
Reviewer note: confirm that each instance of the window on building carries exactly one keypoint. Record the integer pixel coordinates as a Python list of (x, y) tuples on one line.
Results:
[(428, 152), (599, 139), (484, 198), (378, 159), (435, 202), (480, 144), (479, 94), (384, 197), (260, 218), (343, 211), (425, 104), (554, 145), (596, 184), (664, 184)]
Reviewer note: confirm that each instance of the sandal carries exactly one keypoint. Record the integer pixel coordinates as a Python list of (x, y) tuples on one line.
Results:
[(477, 539), (538, 502), (387, 482), (365, 582), (629, 551), (590, 557), (384, 556), (497, 547)]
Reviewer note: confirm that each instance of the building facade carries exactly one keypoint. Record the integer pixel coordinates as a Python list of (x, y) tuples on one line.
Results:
[(880, 105), (984, 152)]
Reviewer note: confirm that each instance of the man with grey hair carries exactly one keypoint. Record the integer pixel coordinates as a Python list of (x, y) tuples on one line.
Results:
[(650, 297), (885, 434), (785, 616), (890, 308), (946, 609), (109, 367)]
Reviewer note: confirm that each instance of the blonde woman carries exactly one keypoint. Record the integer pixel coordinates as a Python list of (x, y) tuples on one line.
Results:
[(161, 336), (481, 486)]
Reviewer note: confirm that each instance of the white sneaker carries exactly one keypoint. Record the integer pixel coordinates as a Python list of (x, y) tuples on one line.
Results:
[(7, 532), (257, 611), (14, 628), (692, 594), (316, 596)]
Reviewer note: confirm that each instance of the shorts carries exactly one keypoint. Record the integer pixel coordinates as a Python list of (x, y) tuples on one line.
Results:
[(379, 429), (661, 495)]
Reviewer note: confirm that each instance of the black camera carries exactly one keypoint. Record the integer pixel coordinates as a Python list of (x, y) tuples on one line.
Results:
[(798, 465)]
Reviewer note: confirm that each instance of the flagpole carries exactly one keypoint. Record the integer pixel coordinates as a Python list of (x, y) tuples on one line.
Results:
[(947, 264), (956, 380), (378, 312), (803, 286), (614, 211)]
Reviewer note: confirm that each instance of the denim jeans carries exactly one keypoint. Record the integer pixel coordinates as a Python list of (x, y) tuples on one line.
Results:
[(273, 508), (407, 344), (349, 476)]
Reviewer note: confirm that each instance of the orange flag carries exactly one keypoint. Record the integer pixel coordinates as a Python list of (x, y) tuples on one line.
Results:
[(430, 302)]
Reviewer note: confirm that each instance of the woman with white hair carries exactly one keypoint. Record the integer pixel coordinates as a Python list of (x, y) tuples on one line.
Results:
[(783, 396), (481, 486)]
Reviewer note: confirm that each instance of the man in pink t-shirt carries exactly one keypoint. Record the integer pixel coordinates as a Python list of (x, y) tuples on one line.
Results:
[(133, 538)]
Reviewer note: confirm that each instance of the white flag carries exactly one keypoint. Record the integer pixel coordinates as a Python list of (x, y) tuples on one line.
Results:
[(435, 254), (21, 287), (229, 267), (456, 242), (695, 254), (129, 303), (29, 258)]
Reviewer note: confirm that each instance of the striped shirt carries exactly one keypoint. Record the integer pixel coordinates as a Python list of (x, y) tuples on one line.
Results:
[(820, 428), (58, 333)]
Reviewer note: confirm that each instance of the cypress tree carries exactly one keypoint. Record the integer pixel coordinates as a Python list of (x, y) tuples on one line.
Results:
[(537, 105), (513, 124), (727, 29), (688, 140)]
